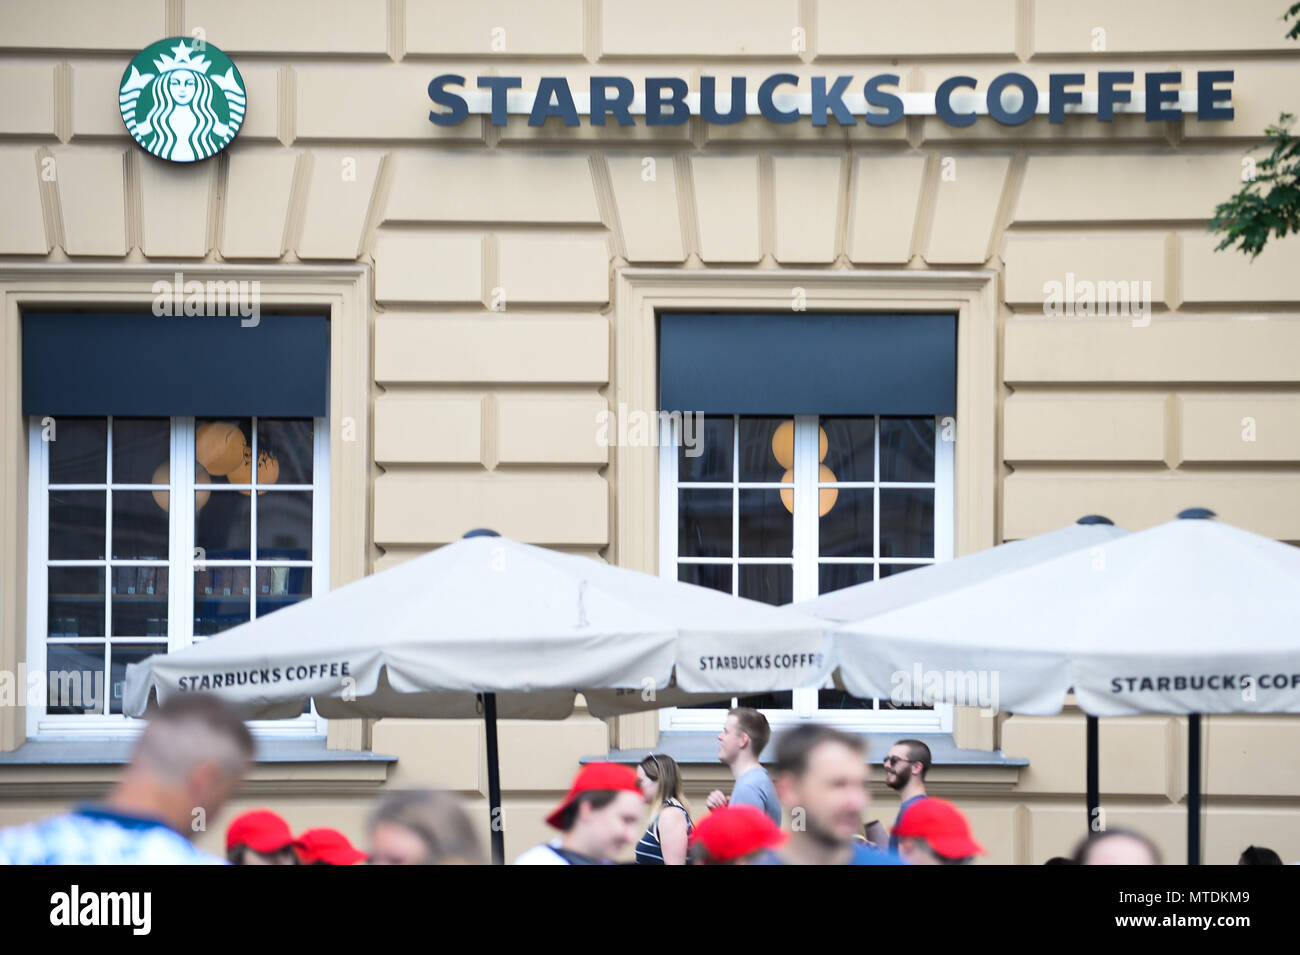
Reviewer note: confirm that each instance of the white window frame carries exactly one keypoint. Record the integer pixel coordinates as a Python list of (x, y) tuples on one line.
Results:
[(806, 562), (181, 568)]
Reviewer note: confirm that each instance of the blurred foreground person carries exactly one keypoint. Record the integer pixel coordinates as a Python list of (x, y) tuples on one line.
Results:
[(328, 847), (423, 827), (188, 761), (1258, 855), (935, 832), (734, 835), (599, 817), (821, 778), (1117, 847), (260, 837), (665, 839)]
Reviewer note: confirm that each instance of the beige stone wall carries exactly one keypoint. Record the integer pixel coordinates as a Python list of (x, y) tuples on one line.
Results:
[(496, 251)]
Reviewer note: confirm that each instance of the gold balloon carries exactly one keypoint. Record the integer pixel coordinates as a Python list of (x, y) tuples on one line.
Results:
[(826, 496), (163, 475), (783, 445), (268, 470), (219, 446)]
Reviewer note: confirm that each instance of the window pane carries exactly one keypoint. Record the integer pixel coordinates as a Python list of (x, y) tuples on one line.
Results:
[(76, 525), (766, 448), (907, 449), (139, 601), (838, 576), (221, 447), (780, 700), (710, 459), (907, 522), (222, 525), (704, 523), (281, 586), (76, 602), (75, 674), (770, 583), (287, 446), (284, 525), (888, 570), (850, 448), (717, 576), (221, 599), (140, 525), (119, 656), (141, 448), (840, 700), (845, 530), (79, 451), (766, 526)]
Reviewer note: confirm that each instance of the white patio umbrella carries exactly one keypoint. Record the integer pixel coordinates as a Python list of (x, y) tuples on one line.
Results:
[(858, 603), (1189, 617), (491, 627)]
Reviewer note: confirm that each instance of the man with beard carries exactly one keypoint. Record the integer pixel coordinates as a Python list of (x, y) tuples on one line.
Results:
[(821, 780), (905, 768)]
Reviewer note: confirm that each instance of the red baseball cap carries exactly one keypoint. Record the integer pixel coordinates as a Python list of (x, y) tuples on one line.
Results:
[(261, 830), (596, 777), (731, 832), (329, 846), (943, 827)]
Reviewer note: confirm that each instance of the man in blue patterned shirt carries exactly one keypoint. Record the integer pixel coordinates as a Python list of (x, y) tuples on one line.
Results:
[(190, 758)]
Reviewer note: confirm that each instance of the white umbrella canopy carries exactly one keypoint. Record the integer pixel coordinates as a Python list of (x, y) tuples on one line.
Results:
[(854, 604), (491, 615), (1192, 616)]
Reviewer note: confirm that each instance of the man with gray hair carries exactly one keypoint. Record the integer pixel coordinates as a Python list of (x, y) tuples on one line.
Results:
[(190, 758)]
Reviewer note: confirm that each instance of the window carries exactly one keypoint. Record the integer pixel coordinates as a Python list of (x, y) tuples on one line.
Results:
[(782, 509), (150, 534)]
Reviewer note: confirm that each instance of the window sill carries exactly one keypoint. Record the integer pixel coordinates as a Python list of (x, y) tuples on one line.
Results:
[(954, 770), (88, 768)]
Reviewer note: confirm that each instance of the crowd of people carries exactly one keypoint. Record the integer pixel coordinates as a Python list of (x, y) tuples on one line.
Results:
[(193, 755)]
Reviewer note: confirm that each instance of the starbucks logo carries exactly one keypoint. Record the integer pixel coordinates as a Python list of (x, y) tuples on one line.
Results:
[(182, 100)]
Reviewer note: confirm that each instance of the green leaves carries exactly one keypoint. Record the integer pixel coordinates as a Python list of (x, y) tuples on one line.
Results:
[(1269, 204)]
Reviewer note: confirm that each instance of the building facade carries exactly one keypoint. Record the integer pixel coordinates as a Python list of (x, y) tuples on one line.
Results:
[(897, 320)]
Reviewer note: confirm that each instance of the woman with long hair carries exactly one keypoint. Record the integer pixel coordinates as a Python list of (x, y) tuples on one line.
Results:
[(669, 831)]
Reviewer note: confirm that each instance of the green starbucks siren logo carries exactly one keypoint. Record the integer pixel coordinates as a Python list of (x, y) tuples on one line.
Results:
[(182, 100)]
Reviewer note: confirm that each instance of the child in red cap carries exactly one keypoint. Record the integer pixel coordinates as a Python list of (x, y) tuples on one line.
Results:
[(734, 835), (934, 832), (260, 837), (600, 816)]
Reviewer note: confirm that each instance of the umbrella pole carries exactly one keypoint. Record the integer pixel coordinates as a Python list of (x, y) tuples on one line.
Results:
[(1093, 775), (1194, 789), (494, 779)]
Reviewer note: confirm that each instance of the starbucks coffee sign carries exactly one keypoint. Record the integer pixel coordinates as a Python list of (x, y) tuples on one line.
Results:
[(182, 99)]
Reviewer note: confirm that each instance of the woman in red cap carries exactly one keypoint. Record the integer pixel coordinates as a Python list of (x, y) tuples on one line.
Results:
[(734, 835), (935, 832), (600, 816), (260, 837), (328, 847)]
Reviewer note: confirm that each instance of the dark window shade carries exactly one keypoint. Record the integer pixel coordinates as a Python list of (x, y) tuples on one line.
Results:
[(139, 364), (806, 363)]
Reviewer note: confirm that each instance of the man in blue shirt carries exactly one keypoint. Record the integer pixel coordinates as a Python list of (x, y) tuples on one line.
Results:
[(821, 779), (905, 768), (189, 760)]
